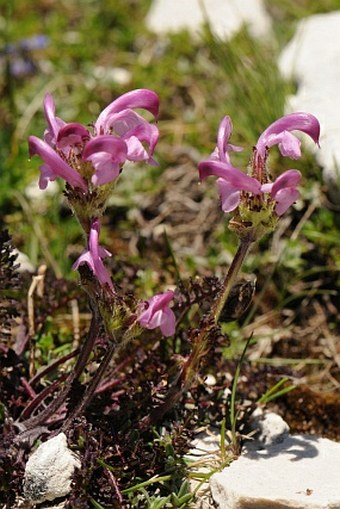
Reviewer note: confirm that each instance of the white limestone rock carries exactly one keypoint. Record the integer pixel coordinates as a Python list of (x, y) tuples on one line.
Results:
[(302, 472), (49, 470), (269, 428), (225, 17), (204, 455), (36, 195), (312, 59), (24, 262)]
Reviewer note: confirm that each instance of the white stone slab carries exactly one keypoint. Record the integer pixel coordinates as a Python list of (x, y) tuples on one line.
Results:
[(303, 472), (312, 58), (225, 16)]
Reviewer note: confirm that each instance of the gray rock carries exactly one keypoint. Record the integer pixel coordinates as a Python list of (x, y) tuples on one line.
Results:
[(49, 470), (312, 59), (302, 472), (225, 17)]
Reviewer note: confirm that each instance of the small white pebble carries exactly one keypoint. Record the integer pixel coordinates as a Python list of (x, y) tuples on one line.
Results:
[(49, 470), (210, 380)]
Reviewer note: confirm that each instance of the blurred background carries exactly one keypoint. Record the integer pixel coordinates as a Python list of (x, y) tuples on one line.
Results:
[(160, 219)]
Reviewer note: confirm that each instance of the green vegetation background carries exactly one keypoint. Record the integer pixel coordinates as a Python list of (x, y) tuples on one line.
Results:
[(98, 50)]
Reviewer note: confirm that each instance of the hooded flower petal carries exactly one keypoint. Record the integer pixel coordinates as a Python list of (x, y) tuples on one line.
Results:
[(54, 123), (107, 154), (55, 164), (158, 314), (221, 152), (72, 134), (278, 133), (93, 256), (139, 98)]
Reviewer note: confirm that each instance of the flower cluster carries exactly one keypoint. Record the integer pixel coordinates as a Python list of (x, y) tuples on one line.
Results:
[(255, 192), (90, 158), (154, 312), (87, 158)]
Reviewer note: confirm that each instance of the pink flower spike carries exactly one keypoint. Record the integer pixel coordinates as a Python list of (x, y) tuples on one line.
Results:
[(140, 98), (158, 314), (278, 133), (107, 154), (54, 166), (54, 123), (93, 256)]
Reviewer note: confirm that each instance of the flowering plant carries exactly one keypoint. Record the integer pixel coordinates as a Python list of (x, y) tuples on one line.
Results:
[(91, 159)]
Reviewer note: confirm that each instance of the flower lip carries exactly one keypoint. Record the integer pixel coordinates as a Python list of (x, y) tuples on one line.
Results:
[(57, 166), (158, 314), (290, 178), (283, 190), (107, 155), (232, 175), (106, 143)]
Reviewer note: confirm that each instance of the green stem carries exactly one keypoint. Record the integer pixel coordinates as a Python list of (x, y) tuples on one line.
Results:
[(232, 414), (201, 345), (73, 376), (231, 276), (92, 386), (117, 344)]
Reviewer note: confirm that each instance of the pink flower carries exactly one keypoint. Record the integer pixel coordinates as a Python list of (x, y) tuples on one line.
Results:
[(279, 133), (107, 155), (120, 120), (93, 256), (283, 190), (158, 314), (232, 182), (120, 134)]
